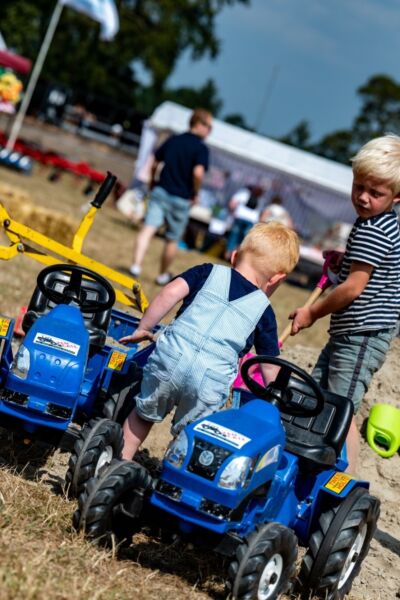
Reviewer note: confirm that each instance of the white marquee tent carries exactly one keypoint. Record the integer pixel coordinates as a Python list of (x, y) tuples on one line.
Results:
[(315, 190)]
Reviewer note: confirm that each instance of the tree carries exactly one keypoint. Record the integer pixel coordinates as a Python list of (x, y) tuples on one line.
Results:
[(206, 96), (299, 136), (238, 120), (338, 146), (153, 33), (379, 114), (380, 111)]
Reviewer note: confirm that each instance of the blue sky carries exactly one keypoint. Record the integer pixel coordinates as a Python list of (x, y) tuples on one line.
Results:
[(283, 61)]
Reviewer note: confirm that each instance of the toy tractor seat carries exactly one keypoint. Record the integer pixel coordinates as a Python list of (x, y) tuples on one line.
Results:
[(96, 322), (317, 440)]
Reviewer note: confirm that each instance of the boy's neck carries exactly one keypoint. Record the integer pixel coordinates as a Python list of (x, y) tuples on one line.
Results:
[(384, 212), (252, 274)]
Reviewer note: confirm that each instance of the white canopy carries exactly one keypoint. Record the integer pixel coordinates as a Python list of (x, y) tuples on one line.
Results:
[(314, 189)]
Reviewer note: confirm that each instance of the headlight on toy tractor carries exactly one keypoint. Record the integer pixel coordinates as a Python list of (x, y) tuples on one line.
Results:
[(235, 474), (177, 450), (21, 363)]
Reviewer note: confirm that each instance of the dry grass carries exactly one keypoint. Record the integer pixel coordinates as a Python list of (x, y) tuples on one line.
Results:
[(43, 558)]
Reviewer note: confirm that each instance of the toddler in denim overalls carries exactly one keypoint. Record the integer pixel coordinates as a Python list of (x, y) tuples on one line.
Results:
[(196, 357)]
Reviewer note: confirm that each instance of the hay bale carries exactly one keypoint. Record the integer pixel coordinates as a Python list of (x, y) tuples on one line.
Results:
[(9, 192), (19, 204)]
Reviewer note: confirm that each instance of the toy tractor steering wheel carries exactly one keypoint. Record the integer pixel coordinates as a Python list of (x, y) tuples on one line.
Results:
[(281, 391), (74, 290)]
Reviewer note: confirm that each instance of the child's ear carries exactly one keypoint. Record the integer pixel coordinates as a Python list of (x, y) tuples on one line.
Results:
[(274, 282), (233, 258), (278, 278)]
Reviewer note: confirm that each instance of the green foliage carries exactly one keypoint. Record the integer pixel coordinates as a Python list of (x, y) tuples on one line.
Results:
[(205, 96), (379, 114), (299, 136), (380, 111), (238, 120), (153, 34), (337, 146)]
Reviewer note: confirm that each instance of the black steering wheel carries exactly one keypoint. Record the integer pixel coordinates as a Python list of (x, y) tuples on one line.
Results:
[(281, 392), (74, 292)]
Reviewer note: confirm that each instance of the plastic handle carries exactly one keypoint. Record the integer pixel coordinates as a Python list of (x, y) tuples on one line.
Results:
[(382, 442), (315, 294), (104, 190)]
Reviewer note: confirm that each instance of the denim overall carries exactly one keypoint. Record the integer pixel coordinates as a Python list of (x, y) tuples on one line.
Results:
[(196, 357)]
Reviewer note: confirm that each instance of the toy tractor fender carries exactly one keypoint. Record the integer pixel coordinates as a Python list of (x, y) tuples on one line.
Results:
[(331, 488), (338, 543)]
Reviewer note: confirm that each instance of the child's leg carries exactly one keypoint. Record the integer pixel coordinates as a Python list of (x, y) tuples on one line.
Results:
[(353, 447), (354, 359), (153, 403), (135, 432)]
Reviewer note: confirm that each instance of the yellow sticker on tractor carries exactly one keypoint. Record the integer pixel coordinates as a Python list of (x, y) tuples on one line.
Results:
[(116, 361), (4, 325), (338, 482)]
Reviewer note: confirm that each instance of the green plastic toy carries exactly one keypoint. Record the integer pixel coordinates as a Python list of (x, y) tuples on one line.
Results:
[(383, 429)]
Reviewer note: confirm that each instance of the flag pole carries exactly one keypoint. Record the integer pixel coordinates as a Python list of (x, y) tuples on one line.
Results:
[(34, 76)]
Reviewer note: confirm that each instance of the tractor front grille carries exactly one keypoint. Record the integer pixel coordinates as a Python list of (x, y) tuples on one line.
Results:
[(167, 489), (207, 458), (60, 412), (215, 509), (14, 397)]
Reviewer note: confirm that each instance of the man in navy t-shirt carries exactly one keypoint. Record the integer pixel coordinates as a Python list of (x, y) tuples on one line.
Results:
[(183, 160)]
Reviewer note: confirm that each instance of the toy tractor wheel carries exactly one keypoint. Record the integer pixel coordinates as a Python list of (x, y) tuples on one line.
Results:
[(264, 563), (338, 546), (110, 507), (99, 442), (121, 397)]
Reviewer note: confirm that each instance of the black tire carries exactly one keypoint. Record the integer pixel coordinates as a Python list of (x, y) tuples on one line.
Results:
[(338, 546), (265, 563), (109, 508), (120, 399), (99, 442)]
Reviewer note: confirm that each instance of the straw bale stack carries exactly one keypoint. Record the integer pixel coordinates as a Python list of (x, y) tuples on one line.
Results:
[(20, 206)]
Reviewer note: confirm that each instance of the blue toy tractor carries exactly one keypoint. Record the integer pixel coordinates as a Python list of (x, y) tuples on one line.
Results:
[(68, 368), (252, 483)]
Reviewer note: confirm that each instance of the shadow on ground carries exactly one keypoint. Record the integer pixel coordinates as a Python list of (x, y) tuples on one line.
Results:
[(202, 569)]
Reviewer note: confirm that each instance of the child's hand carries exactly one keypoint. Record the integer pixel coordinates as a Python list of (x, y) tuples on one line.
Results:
[(302, 318), (137, 336), (334, 259)]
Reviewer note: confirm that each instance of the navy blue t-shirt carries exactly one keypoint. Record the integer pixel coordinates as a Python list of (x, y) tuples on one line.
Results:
[(180, 154), (265, 336)]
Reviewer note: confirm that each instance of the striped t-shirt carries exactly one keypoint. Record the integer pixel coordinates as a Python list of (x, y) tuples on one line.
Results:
[(375, 241)]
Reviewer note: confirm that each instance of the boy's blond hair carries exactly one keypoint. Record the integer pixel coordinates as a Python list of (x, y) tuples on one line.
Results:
[(270, 247), (380, 158)]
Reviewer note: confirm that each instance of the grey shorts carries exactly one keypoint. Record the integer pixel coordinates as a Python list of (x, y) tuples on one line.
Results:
[(348, 362), (168, 210)]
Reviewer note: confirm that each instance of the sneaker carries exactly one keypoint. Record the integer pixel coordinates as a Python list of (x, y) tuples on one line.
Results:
[(135, 270), (164, 278)]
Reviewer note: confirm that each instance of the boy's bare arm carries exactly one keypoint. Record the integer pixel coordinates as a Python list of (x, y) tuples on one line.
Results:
[(165, 300), (339, 298), (198, 174), (153, 172)]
